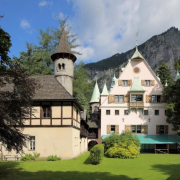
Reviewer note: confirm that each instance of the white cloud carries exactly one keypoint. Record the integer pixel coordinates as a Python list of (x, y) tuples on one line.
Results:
[(25, 24), (108, 27), (44, 3)]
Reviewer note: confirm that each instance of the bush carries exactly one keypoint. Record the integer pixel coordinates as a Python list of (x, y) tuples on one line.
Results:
[(30, 157), (53, 158), (122, 151), (110, 141), (97, 153)]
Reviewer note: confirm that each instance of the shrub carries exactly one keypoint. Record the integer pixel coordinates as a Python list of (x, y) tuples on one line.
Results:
[(122, 151), (97, 153), (30, 157), (53, 158), (110, 141)]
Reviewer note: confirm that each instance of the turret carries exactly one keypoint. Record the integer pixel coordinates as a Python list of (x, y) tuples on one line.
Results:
[(64, 63)]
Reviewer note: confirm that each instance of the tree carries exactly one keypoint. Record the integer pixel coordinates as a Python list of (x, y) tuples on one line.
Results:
[(82, 86), (16, 92), (164, 74), (172, 95), (177, 65), (37, 59)]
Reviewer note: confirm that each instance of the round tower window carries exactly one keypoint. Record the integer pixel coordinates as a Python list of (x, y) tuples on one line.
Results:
[(136, 70)]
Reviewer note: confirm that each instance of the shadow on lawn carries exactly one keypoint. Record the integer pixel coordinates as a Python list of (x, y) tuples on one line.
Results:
[(11, 170), (172, 170)]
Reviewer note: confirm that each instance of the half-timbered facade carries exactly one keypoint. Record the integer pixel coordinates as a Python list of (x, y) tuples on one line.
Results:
[(54, 123)]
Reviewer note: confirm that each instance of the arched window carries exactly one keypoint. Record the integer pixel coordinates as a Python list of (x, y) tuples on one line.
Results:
[(63, 66), (59, 65)]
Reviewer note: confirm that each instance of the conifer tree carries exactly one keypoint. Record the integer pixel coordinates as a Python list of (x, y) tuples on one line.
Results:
[(164, 74)]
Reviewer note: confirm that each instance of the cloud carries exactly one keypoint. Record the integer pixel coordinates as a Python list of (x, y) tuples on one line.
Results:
[(44, 3), (25, 24), (107, 27)]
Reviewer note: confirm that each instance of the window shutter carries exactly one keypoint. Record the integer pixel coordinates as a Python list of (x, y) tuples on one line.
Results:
[(126, 98), (144, 129), (129, 82), (152, 82), (108, 129), (166, 129), (111, 98), (127, 128), (163, 100), (142, 82), (157, 129), (117, 129), (148, 98), (120, 83)]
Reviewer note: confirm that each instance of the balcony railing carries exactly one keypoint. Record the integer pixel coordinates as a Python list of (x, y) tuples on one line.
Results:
[(92, 136), (136, 104)]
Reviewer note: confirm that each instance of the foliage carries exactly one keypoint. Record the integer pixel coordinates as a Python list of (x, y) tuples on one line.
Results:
[(172, 96), (123, 146), (37, 59), (97, 153), (16, 91), (110, 141), (177, 65), (30, 157), (53, 158), (123, 151), (82, 86), (164, 74)]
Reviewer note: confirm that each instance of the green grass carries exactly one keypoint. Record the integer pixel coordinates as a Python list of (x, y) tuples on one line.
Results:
[(146, 167)]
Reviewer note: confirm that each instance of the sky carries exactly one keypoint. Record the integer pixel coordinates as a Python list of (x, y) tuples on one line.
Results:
[(104, 27)]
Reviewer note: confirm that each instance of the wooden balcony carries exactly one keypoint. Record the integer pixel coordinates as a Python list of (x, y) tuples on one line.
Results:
[(136, 104), (92, 136)]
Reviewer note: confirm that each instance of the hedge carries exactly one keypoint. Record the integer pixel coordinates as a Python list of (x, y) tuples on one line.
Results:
[(97, 153)]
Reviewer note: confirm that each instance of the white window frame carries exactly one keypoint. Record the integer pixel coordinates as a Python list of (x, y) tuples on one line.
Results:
[(32, 143)]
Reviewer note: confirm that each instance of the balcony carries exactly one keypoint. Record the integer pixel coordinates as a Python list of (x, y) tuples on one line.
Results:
[(92, 136), (136, 104)]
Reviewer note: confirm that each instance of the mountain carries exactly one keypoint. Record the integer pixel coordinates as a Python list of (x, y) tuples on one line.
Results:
[(158, 49)]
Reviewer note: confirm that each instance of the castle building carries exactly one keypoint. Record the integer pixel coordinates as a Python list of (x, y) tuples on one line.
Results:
[(58, 125), (135, 103)]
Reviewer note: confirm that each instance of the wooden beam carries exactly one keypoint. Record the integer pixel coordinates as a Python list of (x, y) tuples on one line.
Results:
[(30, 114), (72, 113), (61, 113)]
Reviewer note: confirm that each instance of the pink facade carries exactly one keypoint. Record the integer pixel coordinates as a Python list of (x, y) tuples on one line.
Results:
[(135, 103)]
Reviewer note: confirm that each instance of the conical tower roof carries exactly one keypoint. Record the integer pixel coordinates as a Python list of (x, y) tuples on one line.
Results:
[(96, 94), (105, 91), (63, 44), (177, 76), (63, 50), (137, 54)]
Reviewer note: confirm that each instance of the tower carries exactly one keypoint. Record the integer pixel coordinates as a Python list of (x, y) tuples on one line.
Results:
[(64, 63)]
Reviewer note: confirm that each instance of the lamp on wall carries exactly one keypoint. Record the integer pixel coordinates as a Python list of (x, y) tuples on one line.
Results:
[(149, 120), (122, 119)]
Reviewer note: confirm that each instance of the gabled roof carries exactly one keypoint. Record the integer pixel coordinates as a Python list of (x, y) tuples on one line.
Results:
[(105, 91), (136, 86), (96, 94), (50, 89), (137, 55)]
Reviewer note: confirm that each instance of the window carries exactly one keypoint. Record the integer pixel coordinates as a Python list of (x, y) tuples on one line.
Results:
[(32, 143), (135, 98), (125, 82), (59, 65), (126, 112), (147, 82), (107, 112), (46, 111), (119, 98), (136, 128), (116, 112), (162, 129), (156, 98), (156, 112), (146, 112), (63, 66), (113, 128)]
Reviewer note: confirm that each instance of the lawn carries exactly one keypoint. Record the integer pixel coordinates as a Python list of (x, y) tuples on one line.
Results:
[(146, 167)]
